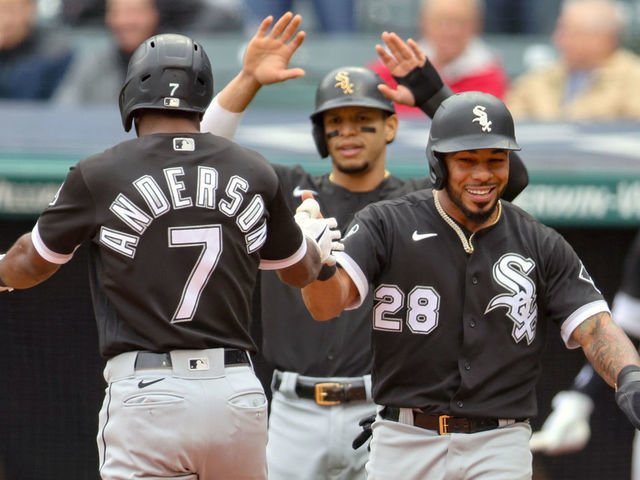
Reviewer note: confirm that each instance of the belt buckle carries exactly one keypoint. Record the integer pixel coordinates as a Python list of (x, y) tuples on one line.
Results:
[(443, 424), (321, 393)]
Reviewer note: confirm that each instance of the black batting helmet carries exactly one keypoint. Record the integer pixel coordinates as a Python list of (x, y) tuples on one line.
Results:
[(467, 121), (346, 87), (169, 72)]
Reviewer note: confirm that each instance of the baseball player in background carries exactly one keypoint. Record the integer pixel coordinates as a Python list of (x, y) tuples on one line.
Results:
[(566, 429), (179, 222), (465, 286), (322, 384)]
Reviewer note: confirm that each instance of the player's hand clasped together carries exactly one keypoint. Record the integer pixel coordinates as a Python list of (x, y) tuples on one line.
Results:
[(320, 231)]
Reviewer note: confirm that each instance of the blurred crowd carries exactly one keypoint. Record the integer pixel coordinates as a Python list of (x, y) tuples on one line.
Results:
[(586, 72)]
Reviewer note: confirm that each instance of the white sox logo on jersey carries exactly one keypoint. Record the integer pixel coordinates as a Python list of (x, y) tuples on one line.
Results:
[(481, 117), (511, 271)]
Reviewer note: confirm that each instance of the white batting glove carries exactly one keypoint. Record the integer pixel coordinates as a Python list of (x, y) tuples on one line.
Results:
[(566, 429), (4, 289), (321, 231)]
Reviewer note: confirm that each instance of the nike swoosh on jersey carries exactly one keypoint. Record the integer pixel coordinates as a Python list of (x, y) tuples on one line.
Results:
[(297, 192), (142, 383), (421, 236), (353, 230)]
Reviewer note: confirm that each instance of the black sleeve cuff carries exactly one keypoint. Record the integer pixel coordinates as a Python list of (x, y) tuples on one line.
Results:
[(630, 373), (326, 272)]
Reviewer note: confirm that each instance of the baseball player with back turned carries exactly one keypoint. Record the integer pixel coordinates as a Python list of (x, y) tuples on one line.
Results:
[(179, 222), (321, 386), (465, 286)]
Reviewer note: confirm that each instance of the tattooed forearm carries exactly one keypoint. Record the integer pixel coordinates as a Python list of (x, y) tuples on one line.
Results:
[(606, 346)]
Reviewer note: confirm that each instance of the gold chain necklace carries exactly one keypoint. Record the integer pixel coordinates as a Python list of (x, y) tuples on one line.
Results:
[(466, 244)]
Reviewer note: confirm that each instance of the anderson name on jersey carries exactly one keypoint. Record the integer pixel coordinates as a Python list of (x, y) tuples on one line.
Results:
[(198, 212)]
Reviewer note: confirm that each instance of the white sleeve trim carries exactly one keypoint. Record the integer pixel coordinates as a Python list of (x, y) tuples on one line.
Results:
[(625, 311), (579, 316), (43, 250), (220, 121), (285, 262), (355, 272)]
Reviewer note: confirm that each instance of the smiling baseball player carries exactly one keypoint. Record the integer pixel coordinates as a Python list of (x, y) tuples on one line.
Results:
[(465, 286), (321, 385)]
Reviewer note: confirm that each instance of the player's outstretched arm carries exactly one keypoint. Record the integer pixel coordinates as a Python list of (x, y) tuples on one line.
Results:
[(614, 357), (305, 271), (266, 61), (23, 267), (326, 299)]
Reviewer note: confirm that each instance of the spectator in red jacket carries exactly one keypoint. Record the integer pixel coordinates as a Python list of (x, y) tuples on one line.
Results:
[(449, 32)]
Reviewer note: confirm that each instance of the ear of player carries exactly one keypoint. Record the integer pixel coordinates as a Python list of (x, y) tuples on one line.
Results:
[(628, 393), (321, 231)]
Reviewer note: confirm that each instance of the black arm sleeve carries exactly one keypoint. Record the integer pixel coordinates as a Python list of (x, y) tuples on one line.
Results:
[(427, 87)]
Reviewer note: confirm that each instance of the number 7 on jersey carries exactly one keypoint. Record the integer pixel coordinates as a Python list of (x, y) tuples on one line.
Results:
[(209, 238)]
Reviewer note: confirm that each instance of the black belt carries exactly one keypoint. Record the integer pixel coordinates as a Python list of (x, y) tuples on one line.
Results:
[(145, 359), (444, 424), (328, 393)]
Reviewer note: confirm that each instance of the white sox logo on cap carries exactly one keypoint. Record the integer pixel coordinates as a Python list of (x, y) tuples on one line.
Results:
[(344, 82), (481, 117)]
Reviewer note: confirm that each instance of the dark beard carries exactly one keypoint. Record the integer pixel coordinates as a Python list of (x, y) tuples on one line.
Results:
[(475, 217), (352, 170)]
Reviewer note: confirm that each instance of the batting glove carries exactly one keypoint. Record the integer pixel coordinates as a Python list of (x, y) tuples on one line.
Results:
[(366, 432), (566, 429), (321, 231), (628, 393), (427, 87)]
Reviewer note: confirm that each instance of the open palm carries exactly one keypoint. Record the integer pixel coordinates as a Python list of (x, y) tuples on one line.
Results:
[(400, 58), (268, 53)]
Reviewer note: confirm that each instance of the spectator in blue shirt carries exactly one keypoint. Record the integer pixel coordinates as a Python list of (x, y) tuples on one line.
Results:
[(33, 60)]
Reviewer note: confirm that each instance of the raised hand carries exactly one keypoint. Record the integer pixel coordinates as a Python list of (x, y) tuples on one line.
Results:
[(268, 53), (401, 58)]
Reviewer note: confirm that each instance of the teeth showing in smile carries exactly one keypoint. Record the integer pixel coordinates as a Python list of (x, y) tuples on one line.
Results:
[(479, 191)]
